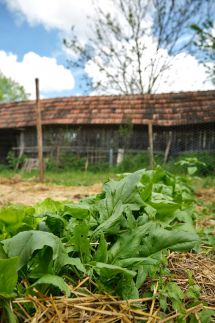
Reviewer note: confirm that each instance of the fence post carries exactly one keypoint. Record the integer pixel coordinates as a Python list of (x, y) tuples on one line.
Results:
[(21, 148), (111, 157), (168, 146), (39, 133), (151, 149), (120, 156)]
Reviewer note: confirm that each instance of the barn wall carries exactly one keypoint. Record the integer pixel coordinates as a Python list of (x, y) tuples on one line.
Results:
[(80, 138), (8, 140), (189, 138)]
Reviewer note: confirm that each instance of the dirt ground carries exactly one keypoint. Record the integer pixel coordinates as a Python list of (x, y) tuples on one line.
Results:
[(15, 190), (207, 194), (30, 192)]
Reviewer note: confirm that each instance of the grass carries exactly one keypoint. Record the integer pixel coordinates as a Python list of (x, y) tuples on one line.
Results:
[(66, 178), (77, 178), (203, 182)]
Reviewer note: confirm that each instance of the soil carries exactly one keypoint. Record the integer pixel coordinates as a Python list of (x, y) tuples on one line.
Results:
[(207, 194), (15, 190)]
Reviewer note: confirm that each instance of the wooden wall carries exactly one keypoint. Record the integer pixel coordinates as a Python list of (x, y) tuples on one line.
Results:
[(180, 138), (8, 140)]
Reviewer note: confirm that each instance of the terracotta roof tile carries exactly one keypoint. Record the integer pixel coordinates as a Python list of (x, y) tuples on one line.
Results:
[(162, 109)]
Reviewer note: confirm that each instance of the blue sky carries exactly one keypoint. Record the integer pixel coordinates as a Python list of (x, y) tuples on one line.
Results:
[(19, 37), (31, 33)]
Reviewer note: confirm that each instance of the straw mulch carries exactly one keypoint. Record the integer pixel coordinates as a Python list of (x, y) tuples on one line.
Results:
[(92, 309), (85, 306), (202, 269)]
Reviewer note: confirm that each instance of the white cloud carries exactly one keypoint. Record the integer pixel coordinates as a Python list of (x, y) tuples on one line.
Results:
[(53, 77), (57, 14), (53, 14), (185, 73)]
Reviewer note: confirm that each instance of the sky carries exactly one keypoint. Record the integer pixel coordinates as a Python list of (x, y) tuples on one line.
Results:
[(31, 45)]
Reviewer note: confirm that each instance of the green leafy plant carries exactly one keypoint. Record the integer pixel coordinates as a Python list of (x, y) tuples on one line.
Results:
[(191, 164), (117, 238), (15, 161)]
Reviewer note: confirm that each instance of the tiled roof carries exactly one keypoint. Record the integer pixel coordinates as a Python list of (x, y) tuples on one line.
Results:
[(161, 109)]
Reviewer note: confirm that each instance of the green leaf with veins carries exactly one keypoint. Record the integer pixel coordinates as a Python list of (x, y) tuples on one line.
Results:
[(53, 280), (159, 239), (101, 252), (77, 211), (81, 241), (24, 244), (8, 277)]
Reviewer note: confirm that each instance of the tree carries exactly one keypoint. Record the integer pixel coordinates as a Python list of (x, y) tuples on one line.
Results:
[(205, 41), (11, 90), (131, 46)]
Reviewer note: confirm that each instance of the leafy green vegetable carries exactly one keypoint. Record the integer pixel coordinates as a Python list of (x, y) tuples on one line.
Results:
[(160, 239), (76, 211), (16, 218), (118, 238), (126, 288), (172, 291), (101, 252), (8, 277), (112, 270), (48, 206), (24, 244), (81, 241), (55, 281), (206, 315)]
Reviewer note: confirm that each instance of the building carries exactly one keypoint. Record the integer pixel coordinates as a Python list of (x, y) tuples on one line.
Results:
[(182, 122)]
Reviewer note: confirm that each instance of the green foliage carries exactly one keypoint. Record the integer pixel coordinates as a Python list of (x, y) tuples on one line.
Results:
[(205, 163), (118, 238), (208, 164), (206, 315), (125, 132), (74, 162), (15, 161), (67, 161), (191, 164), (8, 277), (16, 218), (132, 162), (8, 282), (206, 232), (53, 280), (205, 42), (11, 90)]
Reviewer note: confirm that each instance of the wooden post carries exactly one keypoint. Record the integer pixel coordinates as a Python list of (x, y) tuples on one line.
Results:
[(110, 157), (167, 150), (151, 149), (39, 133), (21, 148)]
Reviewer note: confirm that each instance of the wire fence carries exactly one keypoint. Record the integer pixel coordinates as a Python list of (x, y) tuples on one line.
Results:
[(89, 149)]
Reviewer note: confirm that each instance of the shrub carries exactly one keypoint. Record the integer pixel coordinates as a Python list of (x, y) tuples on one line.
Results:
[(206, 165), (132, 162), (15, 161), (66, 161)]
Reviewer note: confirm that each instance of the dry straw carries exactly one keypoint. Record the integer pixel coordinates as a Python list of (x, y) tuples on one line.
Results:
[(85, 306)]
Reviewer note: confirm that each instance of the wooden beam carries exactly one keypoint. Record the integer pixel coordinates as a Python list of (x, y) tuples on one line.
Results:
[(39, 133)]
